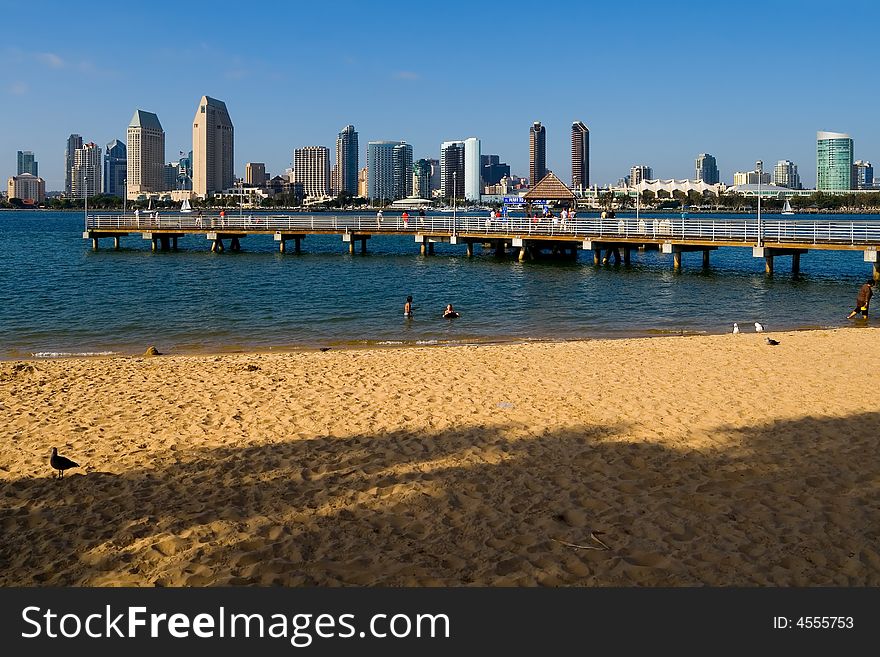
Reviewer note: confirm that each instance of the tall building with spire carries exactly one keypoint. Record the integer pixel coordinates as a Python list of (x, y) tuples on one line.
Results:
[(73, 142), (213, 148), (347, 161), (145, 150), (580, 156), (537, 153)]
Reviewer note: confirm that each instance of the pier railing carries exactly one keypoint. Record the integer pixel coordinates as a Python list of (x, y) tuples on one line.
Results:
[(800, 231)]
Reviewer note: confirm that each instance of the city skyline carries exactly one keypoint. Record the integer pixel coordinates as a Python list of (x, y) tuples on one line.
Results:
[(377, 92)]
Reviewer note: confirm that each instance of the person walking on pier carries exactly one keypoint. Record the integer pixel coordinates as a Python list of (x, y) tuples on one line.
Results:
[(863, 300), (379, 220)]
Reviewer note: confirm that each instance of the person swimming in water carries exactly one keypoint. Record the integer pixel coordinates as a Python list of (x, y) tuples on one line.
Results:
[(408, 307), (450, 313)]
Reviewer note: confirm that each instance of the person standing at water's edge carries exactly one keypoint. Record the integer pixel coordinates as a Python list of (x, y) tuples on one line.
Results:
[(408, 307), (863, 300)]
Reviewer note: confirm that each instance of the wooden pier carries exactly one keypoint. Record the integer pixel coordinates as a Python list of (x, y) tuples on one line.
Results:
[(610, 240)]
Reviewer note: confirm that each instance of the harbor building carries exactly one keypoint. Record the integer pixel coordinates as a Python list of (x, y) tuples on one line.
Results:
[(385, 170), (452, 169), (145, 149), (402, 163), (25, 163), (862, 175), (347, 161), (73, 142), (785, 174), (311, 168), (86, 175), (640, 172), (213, 148), (706, 169), (29, 188), (115, 168), (834, 161), (255, 174)]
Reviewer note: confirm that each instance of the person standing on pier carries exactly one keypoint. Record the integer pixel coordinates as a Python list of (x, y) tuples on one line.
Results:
[(379, 220), (863, 300)]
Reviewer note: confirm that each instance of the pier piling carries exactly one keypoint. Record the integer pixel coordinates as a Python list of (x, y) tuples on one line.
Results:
[(706, 259)]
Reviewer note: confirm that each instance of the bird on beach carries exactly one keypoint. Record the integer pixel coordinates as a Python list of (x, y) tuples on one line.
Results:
[(772, 342), (324, 349), (735, 327), (61, 463), (759, 327)]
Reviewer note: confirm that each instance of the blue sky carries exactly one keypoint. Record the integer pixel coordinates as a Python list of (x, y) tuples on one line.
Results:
[(656, 82)]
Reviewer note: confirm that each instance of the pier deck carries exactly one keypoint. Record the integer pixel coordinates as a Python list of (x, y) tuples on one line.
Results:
[(778, 237)]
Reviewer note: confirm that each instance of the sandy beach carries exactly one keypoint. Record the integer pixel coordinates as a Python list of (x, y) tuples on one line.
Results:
[(710, 460)]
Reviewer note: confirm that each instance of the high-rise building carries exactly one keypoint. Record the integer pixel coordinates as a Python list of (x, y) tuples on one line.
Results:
[(834, 160), (213, 148), (862, 175), (422, 178), (640, 172), (452, 169), (383, 179), (311, 168), (580, 156), (537, 153), (707, 169), (145, 150), (785, 174), (73, 142), (26, 163), (115, 166), (86, 174), (492, 169), (347, 161), (473, 190), (402, 162), (362, 182), (435, 175), (255, 174), (28, 187)]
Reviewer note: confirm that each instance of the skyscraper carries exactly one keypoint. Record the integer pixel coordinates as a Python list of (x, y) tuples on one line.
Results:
[(347, 161), (862, 175), (26, 163), (73, 142), (115, 168), (422, 178), (707, 169), (452, 164), (492, 169), (472, 188), (640, 172), (86, 174), (785, 174), (537, 153), (311, 168), (145, 150), (382, 177), (834, 160), (255, 174), (213, 148), (29, 188), (402, 162), (580, 156)]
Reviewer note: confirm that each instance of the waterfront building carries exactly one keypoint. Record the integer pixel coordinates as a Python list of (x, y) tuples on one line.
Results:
[(29, 188), (73, 142), (25, 163), (213, 148), (706, 169), (640, 172), (537, 153), (86, 174), (255, 174), (834, 161), (362, 182), (422, 178), (311, 168), (435, 175), (493, 169), (785, 174), (402, 163), (387, 172), (452, 163), (755, 177), (580, 156), (115, 168), (862, 175), (347, 161), (472, 170), (145, 149)]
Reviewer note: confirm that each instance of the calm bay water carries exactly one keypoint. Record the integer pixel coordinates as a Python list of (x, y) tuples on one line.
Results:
[(57, 296)]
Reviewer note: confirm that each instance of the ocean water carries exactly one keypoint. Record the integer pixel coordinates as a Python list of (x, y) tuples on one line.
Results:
[(59, 297)]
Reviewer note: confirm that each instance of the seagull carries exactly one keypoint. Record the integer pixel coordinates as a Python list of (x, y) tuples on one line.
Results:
[(759, 327), (61, 463), (735, 327), (771, 341), (323, 349)]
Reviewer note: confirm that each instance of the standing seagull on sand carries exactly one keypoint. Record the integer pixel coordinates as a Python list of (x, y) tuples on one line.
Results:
[(735, 327), (61, 463), (759, 327)]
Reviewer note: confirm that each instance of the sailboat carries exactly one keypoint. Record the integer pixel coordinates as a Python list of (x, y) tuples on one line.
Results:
[(786, 209), (185, 206)]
